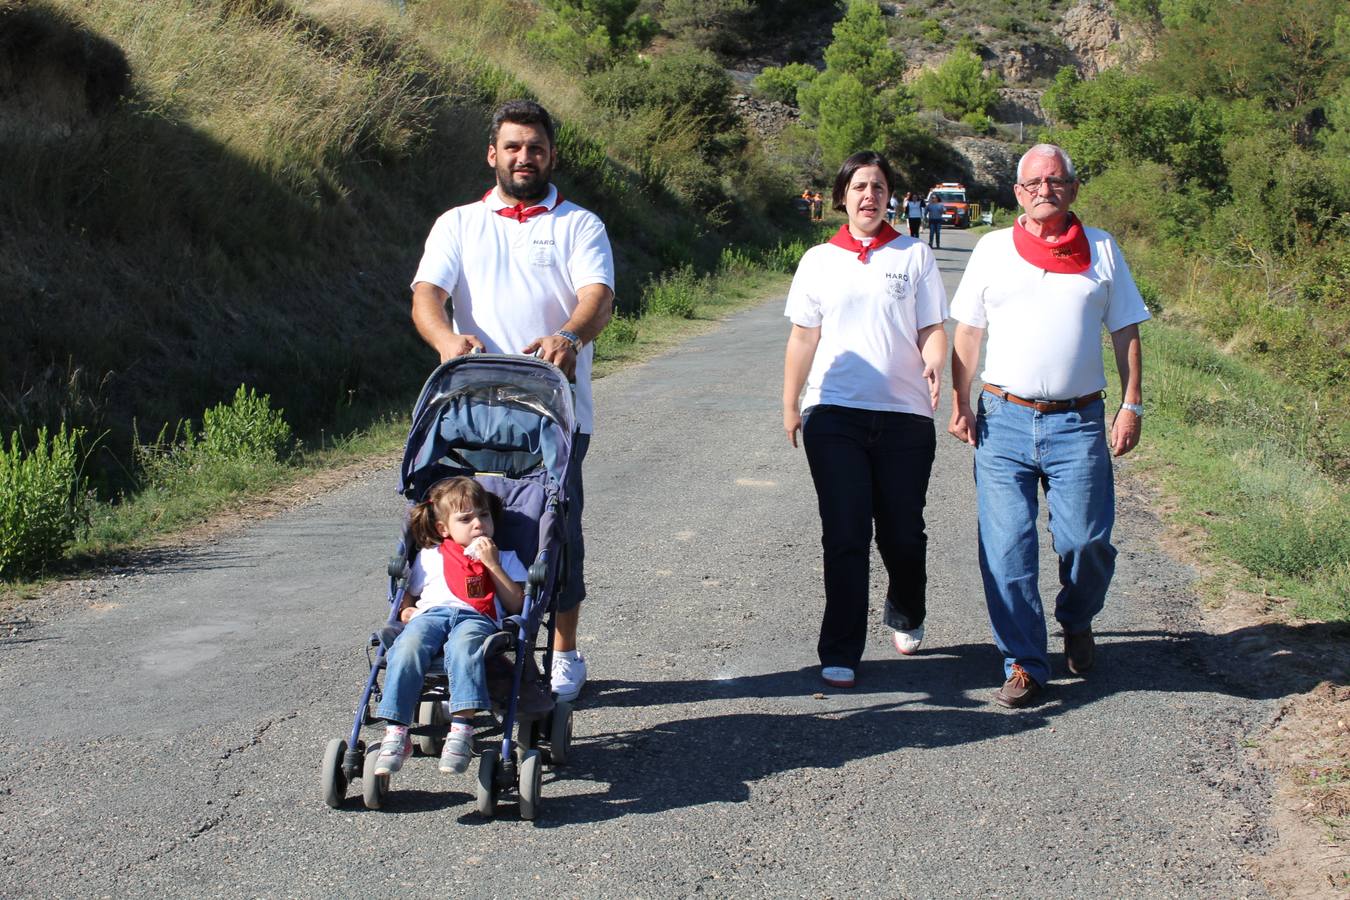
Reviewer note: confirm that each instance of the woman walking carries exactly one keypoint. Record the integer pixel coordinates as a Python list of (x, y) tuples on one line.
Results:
[(867, 344)]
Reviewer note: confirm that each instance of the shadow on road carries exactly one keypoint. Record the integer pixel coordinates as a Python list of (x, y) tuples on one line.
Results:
[(936, 699)]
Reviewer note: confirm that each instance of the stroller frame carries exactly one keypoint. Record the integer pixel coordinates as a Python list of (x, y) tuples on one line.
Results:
[(501, 396)]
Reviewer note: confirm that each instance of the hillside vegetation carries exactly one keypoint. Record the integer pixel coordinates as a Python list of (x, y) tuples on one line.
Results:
[(204, 193)]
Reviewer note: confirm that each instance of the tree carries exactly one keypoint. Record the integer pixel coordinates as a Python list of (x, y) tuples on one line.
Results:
[(847, 120), (960, 86), (707, 24), (860, 47)]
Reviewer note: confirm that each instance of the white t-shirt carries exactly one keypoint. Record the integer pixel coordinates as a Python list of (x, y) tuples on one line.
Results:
[(869, 315), (511, 282), (1044, 327), (427, 580), (914, 209)]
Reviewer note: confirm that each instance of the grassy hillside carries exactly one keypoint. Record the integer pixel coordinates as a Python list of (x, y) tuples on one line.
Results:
[(203, 193)]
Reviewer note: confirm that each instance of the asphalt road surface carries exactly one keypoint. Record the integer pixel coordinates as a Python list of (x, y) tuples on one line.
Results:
[(165, 727)]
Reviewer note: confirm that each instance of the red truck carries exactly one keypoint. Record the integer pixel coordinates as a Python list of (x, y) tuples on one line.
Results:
[(956, 209)]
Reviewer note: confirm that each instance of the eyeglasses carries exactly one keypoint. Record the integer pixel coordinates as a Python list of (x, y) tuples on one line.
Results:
[(1033, 185)]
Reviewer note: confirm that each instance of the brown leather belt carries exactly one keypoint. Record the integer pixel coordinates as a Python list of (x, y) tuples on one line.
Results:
[(1045, 406)]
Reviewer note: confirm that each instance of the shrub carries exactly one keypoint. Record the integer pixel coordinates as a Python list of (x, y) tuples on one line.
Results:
[(959, 86), (781, 82), (246, 430), (39, 501), (675, 294)]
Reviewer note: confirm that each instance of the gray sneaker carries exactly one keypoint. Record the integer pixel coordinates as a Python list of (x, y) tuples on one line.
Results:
[(394, 749), (458, 751)]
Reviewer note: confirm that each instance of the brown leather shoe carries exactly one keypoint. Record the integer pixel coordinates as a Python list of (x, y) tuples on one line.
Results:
[(1080, 651), (1019, 690)]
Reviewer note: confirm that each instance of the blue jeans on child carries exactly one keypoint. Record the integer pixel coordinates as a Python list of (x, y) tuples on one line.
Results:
[(461, 635), (1019, 451)]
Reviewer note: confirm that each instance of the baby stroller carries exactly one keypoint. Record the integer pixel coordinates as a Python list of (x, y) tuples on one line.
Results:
[(508, 422)]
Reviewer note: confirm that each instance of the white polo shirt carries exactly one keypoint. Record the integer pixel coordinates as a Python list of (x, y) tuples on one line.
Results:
[(869, 315), (1045, 328), (511, 282)]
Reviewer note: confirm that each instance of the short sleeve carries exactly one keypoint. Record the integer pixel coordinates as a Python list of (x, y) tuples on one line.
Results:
[(441, 258), (803, 304), (1125, 305), (417, 579), (930, 295), (592, 259), (968, 304)]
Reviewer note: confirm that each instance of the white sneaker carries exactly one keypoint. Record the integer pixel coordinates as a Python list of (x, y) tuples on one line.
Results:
[(568, 675), (837, 676), (907, 642)]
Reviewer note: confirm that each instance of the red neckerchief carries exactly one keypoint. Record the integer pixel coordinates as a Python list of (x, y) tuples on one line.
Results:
[(468, 579), (843, 238), (520, 212), (1069, 255)]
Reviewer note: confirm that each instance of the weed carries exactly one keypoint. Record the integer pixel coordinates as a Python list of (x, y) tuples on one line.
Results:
[(40, 508), (247, 429), (676, 294)]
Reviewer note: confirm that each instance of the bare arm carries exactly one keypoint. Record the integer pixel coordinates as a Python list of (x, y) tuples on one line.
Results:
[(933, 349), (595, 306), (508, 591), (408, 609), (801, 350), (965, 361), (1126, 428), (432, 320)]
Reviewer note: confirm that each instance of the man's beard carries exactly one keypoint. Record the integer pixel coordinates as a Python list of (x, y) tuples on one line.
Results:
[(524, 186)]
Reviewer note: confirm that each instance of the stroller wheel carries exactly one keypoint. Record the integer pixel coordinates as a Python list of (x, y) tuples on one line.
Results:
[(373, 787), (429, 712), (334, 780), (560, 733), (488, 764), (531, 778)]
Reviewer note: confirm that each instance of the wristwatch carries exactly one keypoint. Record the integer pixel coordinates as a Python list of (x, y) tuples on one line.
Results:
[(571, 339), (1136, 408)]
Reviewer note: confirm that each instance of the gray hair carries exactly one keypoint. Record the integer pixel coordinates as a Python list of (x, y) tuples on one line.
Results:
[(1047, 150)]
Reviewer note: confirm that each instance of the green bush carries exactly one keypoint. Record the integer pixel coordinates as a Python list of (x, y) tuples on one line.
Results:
[(781, 82), (40, 492), (246, 430), (959, 86), (675, 294)]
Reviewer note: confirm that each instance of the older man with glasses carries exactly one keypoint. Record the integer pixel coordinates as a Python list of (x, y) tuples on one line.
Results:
[(1044, 289)]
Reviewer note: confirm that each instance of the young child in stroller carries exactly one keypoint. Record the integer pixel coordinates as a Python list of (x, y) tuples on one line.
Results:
[(460, 587)]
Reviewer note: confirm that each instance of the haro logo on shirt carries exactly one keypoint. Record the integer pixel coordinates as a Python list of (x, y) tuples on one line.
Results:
[(549, 241), (897, 285)]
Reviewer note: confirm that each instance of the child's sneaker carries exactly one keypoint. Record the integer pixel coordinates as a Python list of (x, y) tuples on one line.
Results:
[(394, 749), (458, 747)]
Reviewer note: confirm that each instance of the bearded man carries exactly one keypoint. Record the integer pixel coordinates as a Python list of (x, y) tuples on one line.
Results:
[(525, 271)]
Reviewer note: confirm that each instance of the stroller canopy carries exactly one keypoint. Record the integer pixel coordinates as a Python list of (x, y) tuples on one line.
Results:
[(489, 413)]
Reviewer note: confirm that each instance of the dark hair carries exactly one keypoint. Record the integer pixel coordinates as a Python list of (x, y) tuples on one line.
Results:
[(521, 112), (444, 499), (861, 160)]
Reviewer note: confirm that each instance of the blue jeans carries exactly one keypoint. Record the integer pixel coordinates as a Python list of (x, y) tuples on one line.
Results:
[(935, 233), (460, 634), (1019, 451), (869, 466)]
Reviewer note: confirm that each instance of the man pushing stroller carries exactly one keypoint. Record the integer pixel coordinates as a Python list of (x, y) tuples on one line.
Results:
[(525, 271)]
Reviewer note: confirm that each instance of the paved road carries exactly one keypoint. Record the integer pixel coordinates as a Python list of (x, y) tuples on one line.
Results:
[(165, 731)]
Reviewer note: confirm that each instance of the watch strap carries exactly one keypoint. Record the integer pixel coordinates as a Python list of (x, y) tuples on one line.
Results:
[(571, 337)]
